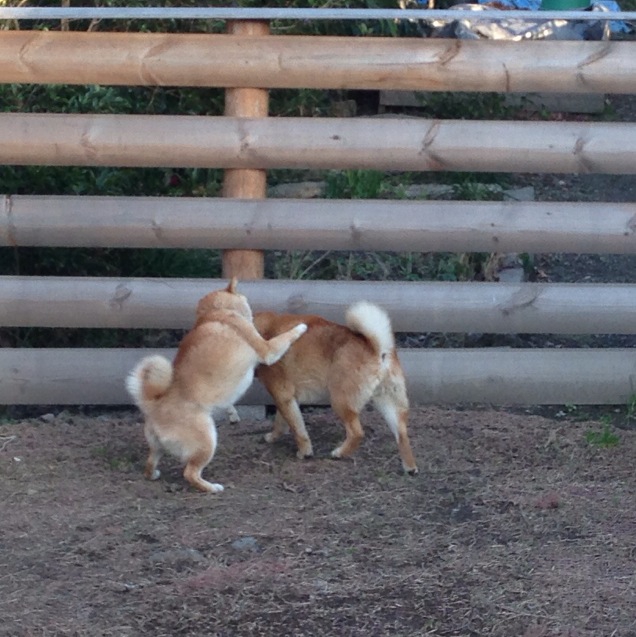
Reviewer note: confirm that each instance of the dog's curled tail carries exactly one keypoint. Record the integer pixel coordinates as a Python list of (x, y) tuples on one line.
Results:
[(149, 380), (374, 324)]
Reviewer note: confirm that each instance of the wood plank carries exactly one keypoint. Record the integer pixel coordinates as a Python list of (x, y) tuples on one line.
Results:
[(221, 60), (559, 308), (300, 224), (495, 376), (321, 143)]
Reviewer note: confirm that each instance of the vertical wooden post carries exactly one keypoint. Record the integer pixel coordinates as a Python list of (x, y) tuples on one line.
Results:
[(245, 183)]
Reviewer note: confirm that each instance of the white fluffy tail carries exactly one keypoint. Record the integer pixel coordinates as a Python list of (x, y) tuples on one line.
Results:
[(374, 324), (149, 380)]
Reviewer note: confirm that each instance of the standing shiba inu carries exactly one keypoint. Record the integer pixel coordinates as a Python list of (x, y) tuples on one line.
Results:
[(350, 365), (214, 366)]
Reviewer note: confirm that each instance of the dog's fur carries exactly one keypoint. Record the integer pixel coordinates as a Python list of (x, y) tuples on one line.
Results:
[(214, 366), (350, 365)]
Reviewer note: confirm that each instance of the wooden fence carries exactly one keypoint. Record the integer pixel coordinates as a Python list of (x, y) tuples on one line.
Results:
[(247, 61)]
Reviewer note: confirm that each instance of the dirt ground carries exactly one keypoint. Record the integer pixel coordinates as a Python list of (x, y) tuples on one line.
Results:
[(517, 525)]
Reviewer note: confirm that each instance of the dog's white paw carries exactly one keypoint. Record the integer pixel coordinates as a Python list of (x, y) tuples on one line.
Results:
[(155, 475), (300, 329), (210, 487), (232, 415), (269, 437), (337, 452)]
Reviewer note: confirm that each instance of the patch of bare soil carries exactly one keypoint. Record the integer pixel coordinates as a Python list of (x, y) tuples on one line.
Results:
[(516, 526)]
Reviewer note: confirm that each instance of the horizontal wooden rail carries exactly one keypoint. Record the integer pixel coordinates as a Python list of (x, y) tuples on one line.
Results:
[(499, 376), (221, 60), (384, 144), (415, 307), (300, 224)]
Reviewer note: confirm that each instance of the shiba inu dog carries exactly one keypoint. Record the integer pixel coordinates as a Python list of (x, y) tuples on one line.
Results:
[(214, 366), (349, 364)]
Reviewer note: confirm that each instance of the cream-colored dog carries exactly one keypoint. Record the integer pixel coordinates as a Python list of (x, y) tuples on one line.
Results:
[(350, 365), (214, 366)]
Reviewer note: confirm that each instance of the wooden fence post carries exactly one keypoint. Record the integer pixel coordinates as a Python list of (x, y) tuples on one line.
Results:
[(245, 183)]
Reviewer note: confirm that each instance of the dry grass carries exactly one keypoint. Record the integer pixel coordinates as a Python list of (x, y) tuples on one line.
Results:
[(515, 527)]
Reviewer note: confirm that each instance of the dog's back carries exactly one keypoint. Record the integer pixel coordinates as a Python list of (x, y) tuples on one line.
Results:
[(328, 353), (313, 363)]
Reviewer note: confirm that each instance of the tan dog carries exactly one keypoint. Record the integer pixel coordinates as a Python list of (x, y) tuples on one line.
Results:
[(350, 365), (214, 366)]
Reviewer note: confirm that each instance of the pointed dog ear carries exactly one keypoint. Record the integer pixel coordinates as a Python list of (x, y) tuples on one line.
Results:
[(231, 288)]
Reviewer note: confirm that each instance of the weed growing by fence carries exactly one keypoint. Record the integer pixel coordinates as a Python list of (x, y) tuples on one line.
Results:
[(383, 266), (603, 438), (354, 184)]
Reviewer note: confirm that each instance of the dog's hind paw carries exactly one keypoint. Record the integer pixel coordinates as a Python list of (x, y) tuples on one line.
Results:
[(207, 487)]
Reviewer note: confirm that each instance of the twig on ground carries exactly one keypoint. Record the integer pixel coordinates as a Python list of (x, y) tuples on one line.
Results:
[(5, 440)]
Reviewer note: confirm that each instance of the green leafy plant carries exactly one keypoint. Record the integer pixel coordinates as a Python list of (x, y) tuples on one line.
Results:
[(354, 184), (472, 190), (630, 416), (603, 438)]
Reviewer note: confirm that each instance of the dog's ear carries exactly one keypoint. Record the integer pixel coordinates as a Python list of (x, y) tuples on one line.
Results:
[(231, 287)]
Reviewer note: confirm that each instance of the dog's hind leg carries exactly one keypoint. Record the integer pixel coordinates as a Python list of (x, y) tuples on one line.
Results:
[(200, 458), (353, 427), (279, 428), (154, 456), (397, 419), (391, 401), (192, 473), (289, 410)]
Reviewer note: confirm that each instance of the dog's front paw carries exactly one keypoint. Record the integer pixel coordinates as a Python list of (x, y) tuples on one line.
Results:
[(232, 415), (153, 475), (303, 454), (270, 437), (299, 330)]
